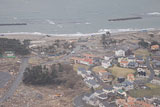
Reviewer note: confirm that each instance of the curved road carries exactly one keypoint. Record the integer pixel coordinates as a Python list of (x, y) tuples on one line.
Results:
[(15, 84)]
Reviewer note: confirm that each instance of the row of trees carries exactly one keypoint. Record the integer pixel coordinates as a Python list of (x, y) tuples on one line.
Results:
[(106, 40), (144, 44), (40, 75), (14, 45)]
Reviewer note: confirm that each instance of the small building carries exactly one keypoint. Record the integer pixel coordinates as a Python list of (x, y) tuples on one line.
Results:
[(82, 72), (140, 59), (157, 72), (121, 92), (105, 76), (132, 65), (141, 72), (103, 96), (124, 64), (106, 63), (9, 54), (91, 83), (127, 85), (130, 77), (84, 61), (120, 53), (108, 89), (98, 92), (93, 101), (131, 58), (154, 47), (120, 79)]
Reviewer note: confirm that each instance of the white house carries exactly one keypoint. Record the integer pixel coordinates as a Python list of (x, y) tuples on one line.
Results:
[(120, 53), (82, 72), (106, 63)]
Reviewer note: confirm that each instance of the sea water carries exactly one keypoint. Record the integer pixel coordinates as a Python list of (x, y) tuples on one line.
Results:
[(77, 16)]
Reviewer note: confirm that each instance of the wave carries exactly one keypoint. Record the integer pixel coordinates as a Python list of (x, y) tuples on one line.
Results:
[(87, 23), (50, 22), (154, 14), (124, 30), (101, 31)]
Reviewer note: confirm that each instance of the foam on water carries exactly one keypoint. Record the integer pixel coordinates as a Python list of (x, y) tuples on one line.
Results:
[(154, 14), (101, 31), (50, 22)]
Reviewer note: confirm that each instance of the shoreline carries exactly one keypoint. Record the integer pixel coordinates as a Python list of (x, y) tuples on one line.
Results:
[(39, 36)]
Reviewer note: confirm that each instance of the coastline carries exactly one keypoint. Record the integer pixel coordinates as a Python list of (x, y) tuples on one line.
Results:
[(38, 35)]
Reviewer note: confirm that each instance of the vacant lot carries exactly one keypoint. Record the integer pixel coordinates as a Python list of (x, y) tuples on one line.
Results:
[(76, 66), (142, 52), (98, 68), (154, 90), (120, 72)]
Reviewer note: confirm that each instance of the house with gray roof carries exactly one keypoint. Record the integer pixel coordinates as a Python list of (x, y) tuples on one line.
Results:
[(91, 83), (108, 89)]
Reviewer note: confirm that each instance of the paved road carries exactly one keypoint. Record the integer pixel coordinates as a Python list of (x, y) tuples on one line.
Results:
[(63, 59), (152, 73), (77, 102), (12, 89), (4, 78)]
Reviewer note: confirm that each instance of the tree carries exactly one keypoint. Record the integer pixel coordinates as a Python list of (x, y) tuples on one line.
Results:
[(60, 67), (143, 43)]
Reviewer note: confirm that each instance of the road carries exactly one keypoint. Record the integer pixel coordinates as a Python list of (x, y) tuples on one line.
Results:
[(152, 73), (63, 59), (12, 89)]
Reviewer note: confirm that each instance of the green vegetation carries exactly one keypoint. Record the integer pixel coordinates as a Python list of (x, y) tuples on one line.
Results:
[(153, 90), (42, 75), (56, 74), (39, 75), (143, 44), (13, 45), (121, 72)]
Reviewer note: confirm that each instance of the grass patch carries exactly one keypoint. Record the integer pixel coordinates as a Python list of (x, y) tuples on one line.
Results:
[(121, 72), (142, 52), (154, 90), (76, 66), (98, 68), (152, 86)]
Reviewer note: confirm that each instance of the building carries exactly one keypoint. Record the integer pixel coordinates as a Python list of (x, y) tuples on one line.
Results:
[(91, 83), (108, 89), (130, 77), (89, 56), (121, 92), (103, 96), (9, 54), (154, 47), (82, 72), (131, 58), (127, 85), (98, 92), (120, 53), (124, 64), (84, 61), (132, 65), (105, 76), (106, 63), (140, 59), (132, 102)]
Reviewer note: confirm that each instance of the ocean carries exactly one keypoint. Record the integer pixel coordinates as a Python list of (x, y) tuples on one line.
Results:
[(78, 16)]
